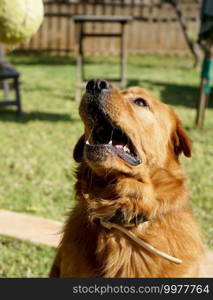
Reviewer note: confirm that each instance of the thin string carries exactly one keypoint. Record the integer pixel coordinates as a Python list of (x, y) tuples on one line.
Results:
[(140, 242)]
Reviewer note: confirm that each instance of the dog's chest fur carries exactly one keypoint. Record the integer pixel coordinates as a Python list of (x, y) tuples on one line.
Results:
[(121, 257), (90, 250), (104, 253), (109, 253)]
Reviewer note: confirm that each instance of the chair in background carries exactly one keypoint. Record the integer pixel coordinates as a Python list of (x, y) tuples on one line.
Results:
[(8, 72)]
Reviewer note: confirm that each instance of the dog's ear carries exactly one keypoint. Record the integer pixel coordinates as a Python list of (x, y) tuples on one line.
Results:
[(181, 141), (79, 149)]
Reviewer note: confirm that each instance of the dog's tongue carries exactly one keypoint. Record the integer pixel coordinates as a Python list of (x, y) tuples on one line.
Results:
[(119, 146), (118, 143)]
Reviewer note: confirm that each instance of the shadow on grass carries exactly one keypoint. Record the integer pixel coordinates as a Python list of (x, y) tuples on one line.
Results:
[(39, 59), (173, 94), (11, 116)]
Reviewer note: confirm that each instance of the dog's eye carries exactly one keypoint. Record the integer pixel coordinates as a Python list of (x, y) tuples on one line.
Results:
[(140, 102)]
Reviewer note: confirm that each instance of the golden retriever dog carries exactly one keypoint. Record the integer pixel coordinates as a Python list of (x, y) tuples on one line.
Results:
[(129, 175)]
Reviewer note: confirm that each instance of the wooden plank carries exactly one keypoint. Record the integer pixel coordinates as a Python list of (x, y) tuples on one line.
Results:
[(103, 35), (98, 19), (58, 28), (49, 26), (30, 228), (202, 104)]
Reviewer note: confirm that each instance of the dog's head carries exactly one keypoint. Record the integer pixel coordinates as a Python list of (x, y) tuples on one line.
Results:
[(127, 132)]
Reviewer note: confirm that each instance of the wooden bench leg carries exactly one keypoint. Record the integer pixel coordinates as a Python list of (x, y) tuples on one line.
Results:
[(18, 97), (123, 57), (205, 89), (202, 104), (6, 88), (79, 66), (77, 93)]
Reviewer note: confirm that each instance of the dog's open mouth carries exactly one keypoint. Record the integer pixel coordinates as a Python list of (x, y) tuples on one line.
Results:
[(108, 138)]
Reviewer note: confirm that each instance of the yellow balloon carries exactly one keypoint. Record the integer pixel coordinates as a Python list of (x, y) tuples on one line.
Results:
[(19, 20)]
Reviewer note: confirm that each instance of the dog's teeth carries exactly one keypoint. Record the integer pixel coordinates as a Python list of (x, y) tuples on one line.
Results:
[(87, 142), (110, 142), (126, 149)]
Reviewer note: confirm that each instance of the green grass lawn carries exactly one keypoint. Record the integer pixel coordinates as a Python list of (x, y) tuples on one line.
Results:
[(36, 166), (23, 259)]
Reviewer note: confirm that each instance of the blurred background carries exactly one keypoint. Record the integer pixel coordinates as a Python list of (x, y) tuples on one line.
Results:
[(164, 54)]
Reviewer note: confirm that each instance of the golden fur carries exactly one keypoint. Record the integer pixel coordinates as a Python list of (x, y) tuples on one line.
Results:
[(155, 188)]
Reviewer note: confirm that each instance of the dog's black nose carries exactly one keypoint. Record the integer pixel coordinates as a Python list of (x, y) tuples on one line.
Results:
[(97, 85)]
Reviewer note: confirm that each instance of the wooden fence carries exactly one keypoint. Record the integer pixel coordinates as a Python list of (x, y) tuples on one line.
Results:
[(154, 30)]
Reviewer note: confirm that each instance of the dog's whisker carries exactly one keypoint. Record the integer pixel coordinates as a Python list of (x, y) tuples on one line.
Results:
[(111, 134), (90, 134)]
